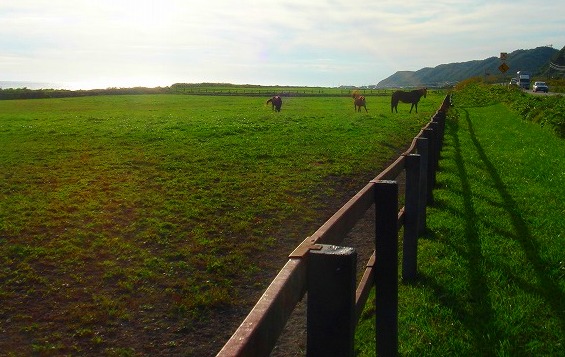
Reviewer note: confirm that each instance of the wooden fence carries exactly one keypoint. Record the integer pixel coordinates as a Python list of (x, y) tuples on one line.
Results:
[(284, 92), (327, 271)]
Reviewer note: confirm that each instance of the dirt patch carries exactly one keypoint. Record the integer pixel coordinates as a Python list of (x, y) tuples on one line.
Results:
[(292, 342), (155, 331)]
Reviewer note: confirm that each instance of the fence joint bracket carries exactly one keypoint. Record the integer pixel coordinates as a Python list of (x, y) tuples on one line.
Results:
[(303, 249)]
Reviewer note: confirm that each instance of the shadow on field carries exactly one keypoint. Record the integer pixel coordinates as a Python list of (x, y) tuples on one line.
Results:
[(546, 287), (481, 305), (475, 311)]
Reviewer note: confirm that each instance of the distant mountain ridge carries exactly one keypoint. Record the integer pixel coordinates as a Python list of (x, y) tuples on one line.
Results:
[(533, 60)]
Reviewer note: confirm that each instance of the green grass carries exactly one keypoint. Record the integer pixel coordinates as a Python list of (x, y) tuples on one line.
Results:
[(492, 264), (127, 223)]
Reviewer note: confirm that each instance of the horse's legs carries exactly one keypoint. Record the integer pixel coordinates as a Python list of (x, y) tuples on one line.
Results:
[(365, 108)]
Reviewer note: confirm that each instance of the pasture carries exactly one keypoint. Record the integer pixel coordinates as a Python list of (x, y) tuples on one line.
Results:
[(150, 224)]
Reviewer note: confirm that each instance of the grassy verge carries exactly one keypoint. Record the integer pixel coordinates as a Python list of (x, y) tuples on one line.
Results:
[(132, 225), (491, 267), (545, 110)]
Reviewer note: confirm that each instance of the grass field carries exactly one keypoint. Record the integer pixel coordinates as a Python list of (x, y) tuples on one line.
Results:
[(150, 224), (492, 264)]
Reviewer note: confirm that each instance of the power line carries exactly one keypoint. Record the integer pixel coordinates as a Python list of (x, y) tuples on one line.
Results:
[(556, 67)]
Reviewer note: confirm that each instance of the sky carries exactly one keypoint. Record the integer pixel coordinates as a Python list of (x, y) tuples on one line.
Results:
[(124, 43)]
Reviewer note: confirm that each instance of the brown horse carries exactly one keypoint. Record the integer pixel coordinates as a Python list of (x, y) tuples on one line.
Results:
[(407, 97), (358, 102), (276, 103)]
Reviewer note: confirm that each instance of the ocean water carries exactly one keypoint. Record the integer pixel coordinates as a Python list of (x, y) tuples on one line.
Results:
[(86, 85), (34, 85)]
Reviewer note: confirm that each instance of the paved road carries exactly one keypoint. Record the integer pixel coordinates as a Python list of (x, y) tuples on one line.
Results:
[(541, 93)]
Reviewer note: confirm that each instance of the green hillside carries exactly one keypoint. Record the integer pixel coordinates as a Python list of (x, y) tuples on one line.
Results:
[(533, 60)]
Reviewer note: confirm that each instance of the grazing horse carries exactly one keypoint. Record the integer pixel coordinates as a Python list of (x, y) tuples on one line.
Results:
[(276, 103), (358, 102), (407, 97)]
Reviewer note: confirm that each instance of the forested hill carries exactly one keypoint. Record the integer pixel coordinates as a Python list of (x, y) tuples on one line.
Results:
[(533, 60)]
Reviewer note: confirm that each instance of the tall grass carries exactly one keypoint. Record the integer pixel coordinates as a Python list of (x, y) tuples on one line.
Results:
[(143, 224), (491, 265)]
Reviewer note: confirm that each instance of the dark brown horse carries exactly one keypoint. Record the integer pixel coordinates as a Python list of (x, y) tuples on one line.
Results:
[(407, 97), (276, 103), (358, 102)]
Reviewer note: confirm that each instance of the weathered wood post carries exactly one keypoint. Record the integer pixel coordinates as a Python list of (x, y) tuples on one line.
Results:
[(439, 118), (386, 267), (331, 301), (422, 147), (430, 134), (436, 146), (412, 198)]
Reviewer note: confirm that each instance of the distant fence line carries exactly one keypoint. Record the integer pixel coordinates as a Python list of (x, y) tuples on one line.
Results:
[(327, 272), (26, 93), (298, 92)]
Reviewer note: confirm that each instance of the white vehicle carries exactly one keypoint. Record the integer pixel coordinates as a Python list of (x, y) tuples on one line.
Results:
[(523, 79), (540, 87)]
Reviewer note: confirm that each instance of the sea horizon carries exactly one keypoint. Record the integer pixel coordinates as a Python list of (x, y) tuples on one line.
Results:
[(65, 85), (32, 85)]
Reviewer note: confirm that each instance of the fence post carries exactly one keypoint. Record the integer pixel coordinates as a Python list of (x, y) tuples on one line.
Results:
[(430, 134), (331, 301), (410, 240), (386, 267), (439, 118), (436, 146), (422, 147)]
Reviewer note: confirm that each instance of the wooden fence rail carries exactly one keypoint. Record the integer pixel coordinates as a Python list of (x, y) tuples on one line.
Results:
[(310, 265), (285, 92)]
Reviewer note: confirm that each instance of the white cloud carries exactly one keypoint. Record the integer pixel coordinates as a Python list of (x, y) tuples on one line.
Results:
[(290, 42)]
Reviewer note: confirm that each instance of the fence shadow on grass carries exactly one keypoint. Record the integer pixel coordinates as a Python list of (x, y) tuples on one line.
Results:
[(546, 286), (482, 309), (479, 317)]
